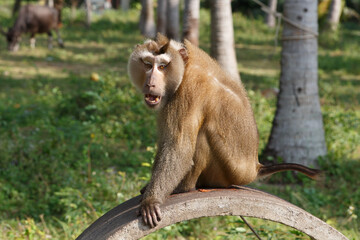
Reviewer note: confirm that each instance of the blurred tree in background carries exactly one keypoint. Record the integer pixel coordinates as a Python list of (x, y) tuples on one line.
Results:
[(191, 21)]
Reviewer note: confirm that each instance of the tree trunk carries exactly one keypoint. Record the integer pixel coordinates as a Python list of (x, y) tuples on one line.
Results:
[(161, 16), (222, 36), (88, 12), (115, 4), (147, 24), (173, 19), (333, 17), (16, 7), (191, 21), (73, 10), (125, 5), (50, 3), (270, 18), (297, 133), (58, 5)]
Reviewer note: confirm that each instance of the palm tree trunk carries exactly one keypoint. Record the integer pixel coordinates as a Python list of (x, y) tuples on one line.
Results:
[(16, 7), (333, 17), (147, 24), (125, 5), (73, 10), (191, 21), (88, 12), (222, 36), (173, 25), (161, 16), (50, 3), (115, 4), (270, 18), (297, 134)]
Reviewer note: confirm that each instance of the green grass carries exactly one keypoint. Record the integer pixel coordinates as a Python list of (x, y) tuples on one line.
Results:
[(72, 149)]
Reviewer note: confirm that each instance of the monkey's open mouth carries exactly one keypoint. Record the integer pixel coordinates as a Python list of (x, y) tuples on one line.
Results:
[(152, 100)]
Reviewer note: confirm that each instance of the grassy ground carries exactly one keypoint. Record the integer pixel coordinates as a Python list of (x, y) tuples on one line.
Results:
[(72, 148)]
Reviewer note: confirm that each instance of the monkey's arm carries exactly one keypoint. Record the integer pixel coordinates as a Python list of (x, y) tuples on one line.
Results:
[(173, 161)]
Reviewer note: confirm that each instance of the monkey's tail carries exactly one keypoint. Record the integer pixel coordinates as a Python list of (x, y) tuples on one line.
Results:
[(271, 169)]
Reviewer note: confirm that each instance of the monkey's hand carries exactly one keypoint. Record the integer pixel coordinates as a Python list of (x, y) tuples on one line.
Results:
[(150, 211)]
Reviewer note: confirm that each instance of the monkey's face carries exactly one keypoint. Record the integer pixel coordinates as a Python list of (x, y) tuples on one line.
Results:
[(154, 86), (156, 71)]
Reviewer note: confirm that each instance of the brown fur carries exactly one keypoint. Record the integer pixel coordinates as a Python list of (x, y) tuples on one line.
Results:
[(207, 132)]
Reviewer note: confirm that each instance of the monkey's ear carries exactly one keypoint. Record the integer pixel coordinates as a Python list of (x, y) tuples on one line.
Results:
[(164, 48), (184, 55)]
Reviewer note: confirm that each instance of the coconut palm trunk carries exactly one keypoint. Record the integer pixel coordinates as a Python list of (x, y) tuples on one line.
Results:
[(147, 24), (333, 17), (297, 133), (173, 19), (270, 18), (222, 36), (16, 7), (191, 21), (125, 5), (50, 3), (161, 16), (88, 12)]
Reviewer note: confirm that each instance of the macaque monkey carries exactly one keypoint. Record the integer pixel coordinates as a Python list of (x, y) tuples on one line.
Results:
[(207, 135)]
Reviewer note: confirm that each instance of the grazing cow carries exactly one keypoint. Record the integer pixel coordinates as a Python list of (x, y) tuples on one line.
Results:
[(33, 19)]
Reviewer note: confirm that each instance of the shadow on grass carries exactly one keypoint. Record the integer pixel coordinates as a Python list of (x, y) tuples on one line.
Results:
[(30, 86), (258, 82), (103, 30), (349, 64)]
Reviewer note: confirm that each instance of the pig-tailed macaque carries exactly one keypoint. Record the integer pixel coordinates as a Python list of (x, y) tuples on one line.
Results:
[(207, 132)]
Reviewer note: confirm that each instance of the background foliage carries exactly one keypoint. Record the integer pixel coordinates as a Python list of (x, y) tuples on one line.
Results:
[(72, 147)]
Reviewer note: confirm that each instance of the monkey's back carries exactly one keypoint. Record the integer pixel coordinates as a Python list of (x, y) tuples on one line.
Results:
[(228, 121)]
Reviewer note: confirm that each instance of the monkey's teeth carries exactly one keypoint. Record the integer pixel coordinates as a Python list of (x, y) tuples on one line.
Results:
[(152, 99)]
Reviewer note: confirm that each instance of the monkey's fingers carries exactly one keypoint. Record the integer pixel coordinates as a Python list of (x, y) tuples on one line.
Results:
[(155, 214), (158, 212), (150, 217), (144, 215), (151, 214)]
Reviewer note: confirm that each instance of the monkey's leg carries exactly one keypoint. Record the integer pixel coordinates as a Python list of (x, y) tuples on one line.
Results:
[(231, 165), (200, 162), (189, 182), (240, 171)]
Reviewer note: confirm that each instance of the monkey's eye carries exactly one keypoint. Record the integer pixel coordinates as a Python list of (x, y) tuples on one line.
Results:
[(148, 64), (162, 66)]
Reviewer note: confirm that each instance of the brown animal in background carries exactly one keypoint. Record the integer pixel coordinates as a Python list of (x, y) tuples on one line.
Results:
[(33, 19), (207, 132)]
